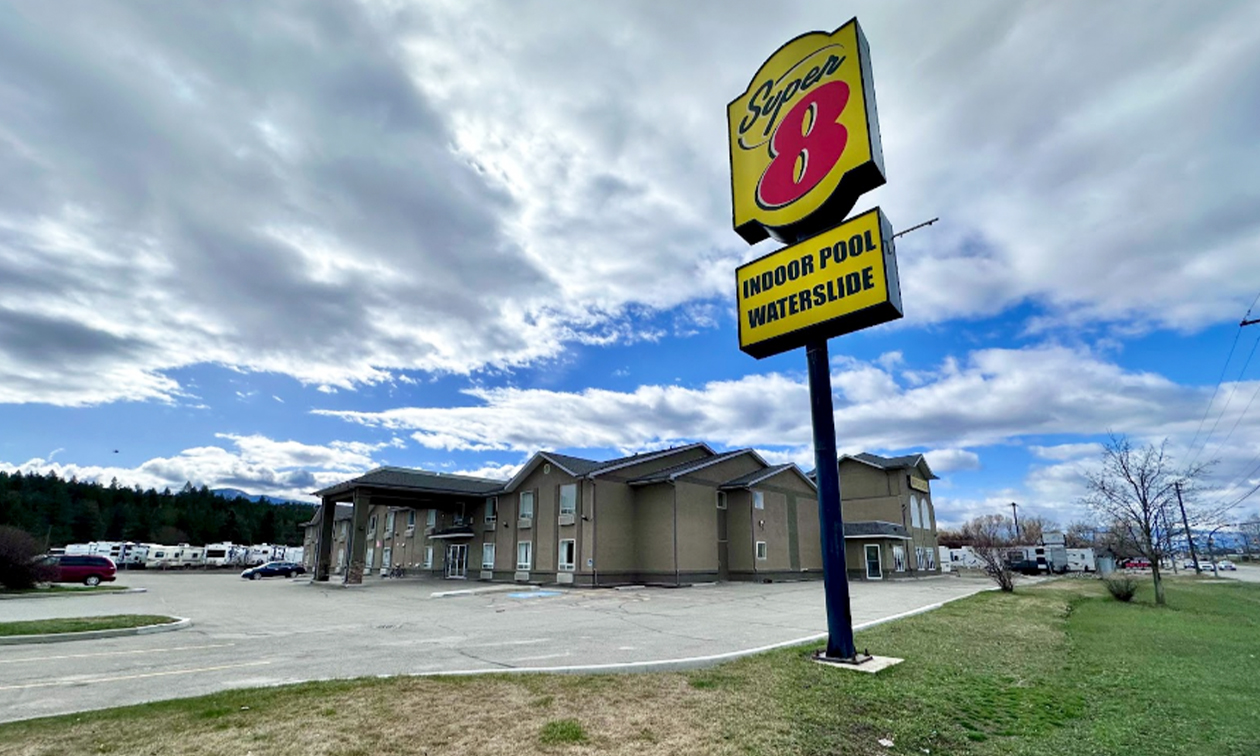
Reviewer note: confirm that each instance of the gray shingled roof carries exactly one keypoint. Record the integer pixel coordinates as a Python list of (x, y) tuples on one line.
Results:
[(579, 466), (420, 480), (874, 528), (756, 476), (893, 463), (672, 473)]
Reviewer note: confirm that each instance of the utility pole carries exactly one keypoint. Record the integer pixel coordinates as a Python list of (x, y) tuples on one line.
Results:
[(1015, 516), (1186, 522)]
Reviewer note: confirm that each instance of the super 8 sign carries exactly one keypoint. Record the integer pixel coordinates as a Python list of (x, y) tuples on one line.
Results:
[(804, 137)]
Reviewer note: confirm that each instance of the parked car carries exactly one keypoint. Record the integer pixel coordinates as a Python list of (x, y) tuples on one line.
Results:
[(274, 569), (1141, 563), (1225, 564), (82, 568), (1026, 567)]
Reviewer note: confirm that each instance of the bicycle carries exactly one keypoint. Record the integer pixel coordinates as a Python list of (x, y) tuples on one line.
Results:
[(397, 571)]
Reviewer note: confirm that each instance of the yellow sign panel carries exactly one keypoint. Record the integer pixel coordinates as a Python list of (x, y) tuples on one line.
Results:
[(838, 282), (919, 484), (804, 137)]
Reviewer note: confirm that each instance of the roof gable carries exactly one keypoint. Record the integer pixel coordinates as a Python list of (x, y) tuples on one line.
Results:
[(757, 476)]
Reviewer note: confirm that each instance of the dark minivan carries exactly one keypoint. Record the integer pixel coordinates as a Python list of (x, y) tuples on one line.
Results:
[(89, 570)]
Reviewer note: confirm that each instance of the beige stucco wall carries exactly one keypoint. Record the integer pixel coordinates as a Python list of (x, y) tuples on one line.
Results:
[(654, 529)]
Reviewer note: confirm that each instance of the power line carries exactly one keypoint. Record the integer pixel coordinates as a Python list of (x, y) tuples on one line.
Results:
[(1233, 389), (1208, 409)]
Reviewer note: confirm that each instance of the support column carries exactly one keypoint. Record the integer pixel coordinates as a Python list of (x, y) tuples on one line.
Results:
[(324, 540), (830, 521), (358, 538)]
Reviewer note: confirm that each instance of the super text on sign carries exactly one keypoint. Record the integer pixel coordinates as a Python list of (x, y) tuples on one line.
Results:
[(834, 283), (804, 137)]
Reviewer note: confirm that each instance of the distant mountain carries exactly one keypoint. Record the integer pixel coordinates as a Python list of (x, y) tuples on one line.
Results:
[(233, 493)]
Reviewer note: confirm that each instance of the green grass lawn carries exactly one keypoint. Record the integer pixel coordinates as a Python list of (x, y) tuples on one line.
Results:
[(80, 624), (1053, 669)]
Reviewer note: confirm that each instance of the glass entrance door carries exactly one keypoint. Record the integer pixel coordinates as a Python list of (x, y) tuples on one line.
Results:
[(457, 560), (874, 570)]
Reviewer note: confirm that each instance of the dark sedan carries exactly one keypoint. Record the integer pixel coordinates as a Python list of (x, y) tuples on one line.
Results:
[(274, 569)]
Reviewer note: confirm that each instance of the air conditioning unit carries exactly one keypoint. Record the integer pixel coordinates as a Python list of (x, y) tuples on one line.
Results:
[(525, 523)]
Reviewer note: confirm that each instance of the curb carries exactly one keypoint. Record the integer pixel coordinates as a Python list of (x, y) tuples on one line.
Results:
[(489, 589), (679, 665), (68, 594), (21, 640)]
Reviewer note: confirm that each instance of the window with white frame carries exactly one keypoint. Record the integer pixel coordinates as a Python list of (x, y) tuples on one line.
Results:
[(721, 500), (925, 519), (428, 557), (914, 511), (524, 555), (492, 509), (487, 556), (389, 521), (411, 519), (431, 519), (387, 556), (759, 500), (899, 558), (761, 549), (568, 499), (568, 555), (371, 526), (527, 505)]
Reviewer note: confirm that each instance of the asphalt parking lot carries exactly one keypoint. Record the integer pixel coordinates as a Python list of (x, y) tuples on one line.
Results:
[(282, 631)]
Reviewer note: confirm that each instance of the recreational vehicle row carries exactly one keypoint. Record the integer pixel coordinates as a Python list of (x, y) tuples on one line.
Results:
[(158, 556)]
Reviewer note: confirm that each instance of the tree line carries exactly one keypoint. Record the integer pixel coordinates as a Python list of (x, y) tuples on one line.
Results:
[(56, 511)]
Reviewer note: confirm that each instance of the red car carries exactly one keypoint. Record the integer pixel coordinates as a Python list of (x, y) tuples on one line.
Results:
[(89, 570), (1141, 563)]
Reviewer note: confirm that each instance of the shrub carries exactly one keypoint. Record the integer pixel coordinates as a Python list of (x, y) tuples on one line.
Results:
[(19, 569), (1121, 588)]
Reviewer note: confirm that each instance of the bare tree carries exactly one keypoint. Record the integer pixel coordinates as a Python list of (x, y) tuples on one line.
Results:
[(1081, 535), (1134, 488), (1250, 531), (990, 536)]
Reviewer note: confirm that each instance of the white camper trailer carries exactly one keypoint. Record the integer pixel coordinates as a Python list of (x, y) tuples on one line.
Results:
[(1081, 560), (161, 557), (191, 556), (226, 554)]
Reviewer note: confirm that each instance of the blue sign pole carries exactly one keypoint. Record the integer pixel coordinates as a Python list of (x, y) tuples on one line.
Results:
[(840, 645)]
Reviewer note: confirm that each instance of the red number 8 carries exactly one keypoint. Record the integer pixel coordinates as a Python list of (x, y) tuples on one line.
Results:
[(820, 148)]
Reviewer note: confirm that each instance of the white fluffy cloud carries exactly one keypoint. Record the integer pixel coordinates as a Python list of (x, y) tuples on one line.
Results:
[(338, 192), (993, 396)]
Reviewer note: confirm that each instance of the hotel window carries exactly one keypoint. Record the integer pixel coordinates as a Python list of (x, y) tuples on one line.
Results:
[(431, 519), (524, 555), (568, 499), (487, 556), (721, 500), (759, 500), (568, 555), (527, 505), (411, 519), (924, 517), (428, 557), (492, 509), (371, 526), (389, 522), (899, 558), (761, 549), (914, 511)]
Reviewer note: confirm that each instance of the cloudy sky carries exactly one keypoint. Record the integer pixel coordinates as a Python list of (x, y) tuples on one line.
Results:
[(271, 245)]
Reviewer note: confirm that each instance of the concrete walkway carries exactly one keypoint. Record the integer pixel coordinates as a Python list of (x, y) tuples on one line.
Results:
[(281, 631)]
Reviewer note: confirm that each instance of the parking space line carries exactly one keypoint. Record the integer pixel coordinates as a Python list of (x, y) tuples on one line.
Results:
[(113, 653), (92, 681)]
